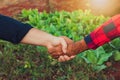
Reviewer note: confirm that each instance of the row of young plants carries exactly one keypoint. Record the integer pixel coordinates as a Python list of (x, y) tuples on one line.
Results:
[(74, 25), (25, 62)]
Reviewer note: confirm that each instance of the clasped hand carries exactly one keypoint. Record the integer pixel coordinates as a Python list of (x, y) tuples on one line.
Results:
[(64, 49)]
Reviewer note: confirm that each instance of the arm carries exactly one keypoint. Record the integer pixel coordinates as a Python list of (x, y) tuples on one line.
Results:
[(103, 34), (17, 32), (41, 38)]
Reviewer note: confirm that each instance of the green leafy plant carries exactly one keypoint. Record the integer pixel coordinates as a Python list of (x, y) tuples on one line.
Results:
[(75, 25), (114, 44), (96, 58), (117, 55)]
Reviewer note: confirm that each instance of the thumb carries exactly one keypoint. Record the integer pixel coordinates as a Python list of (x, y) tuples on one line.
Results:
[(68, 40), (64, 44)]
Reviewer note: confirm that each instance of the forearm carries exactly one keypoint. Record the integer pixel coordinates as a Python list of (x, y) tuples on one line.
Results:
[(105, 33), (38, 37)]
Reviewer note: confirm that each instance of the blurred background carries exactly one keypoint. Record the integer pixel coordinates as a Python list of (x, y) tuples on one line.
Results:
[(105, 7), (28, 62)]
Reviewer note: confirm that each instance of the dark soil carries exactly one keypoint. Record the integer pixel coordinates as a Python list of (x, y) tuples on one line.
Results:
[(114, 71)]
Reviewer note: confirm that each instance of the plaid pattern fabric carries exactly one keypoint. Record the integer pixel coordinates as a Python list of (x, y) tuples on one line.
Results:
[(105, 33)]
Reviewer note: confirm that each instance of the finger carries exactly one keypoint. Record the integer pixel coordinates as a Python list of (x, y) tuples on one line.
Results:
[(67, 58), (72, 56), (55, 57), (61, 59), (56, 54), (64, 45), (50, 49), (64, 58)]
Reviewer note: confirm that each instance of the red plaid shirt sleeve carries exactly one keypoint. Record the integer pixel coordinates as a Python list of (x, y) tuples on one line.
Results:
[(105, 33)]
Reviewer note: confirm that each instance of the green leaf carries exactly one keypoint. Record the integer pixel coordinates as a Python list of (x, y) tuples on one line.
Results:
[(91, 57), (117, 56), (104, 57), (99, 51), (99, 68)]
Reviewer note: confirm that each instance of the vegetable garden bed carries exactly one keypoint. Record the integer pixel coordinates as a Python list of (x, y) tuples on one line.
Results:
[(25, 62), (76, 25)]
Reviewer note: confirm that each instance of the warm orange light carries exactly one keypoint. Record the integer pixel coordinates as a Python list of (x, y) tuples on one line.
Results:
[(102, 6), (99, 3)]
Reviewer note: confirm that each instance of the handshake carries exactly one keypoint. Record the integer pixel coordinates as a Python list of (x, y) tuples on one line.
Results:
[(61, 48), (64, 49)]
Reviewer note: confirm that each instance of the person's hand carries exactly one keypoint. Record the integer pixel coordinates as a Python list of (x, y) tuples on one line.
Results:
[(64, 58), (57, 47), (72, 49), (75, 48)]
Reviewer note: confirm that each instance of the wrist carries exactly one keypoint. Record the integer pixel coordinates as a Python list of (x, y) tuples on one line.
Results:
[(81, 45)]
